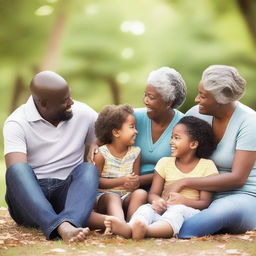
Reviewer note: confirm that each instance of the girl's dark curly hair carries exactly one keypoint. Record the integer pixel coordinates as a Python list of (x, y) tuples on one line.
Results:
[(111, 117), (202, 132)]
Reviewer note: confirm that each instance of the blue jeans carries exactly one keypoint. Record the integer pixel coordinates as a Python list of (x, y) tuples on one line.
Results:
[(230, 214), (46, 203)]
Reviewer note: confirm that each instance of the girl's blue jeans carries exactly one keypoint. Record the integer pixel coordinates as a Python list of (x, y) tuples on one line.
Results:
[(46, 203), (233, 214)]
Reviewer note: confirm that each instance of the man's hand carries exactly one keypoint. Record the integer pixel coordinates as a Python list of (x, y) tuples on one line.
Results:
[(94, 149), (159, 205)]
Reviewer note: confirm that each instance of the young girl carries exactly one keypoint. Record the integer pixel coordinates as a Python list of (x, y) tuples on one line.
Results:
[(192, 142), (118, 163)]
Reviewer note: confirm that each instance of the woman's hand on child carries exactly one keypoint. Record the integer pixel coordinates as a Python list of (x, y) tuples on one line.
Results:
[(159, 205), (175, 198), (132, 182), (177, 186)]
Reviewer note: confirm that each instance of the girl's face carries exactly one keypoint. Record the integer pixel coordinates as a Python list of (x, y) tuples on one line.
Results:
[(154, 103), (207, 103), (181, 142), (127, 133)]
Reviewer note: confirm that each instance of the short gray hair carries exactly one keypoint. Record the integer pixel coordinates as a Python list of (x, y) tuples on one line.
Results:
[(169, 84), (224, 83)]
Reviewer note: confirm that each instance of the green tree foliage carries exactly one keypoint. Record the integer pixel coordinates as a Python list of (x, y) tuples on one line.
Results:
[(106, 49)]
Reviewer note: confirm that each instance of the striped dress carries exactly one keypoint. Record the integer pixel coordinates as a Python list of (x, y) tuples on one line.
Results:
[(115, 167)]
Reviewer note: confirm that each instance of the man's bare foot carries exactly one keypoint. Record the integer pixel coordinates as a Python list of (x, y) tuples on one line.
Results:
[(69, 233), (115, 226), (139, 230)]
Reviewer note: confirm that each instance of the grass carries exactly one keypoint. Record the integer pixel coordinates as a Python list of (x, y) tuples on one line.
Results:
[(31, 242), (2, 183), (130, 248), (17, 240)]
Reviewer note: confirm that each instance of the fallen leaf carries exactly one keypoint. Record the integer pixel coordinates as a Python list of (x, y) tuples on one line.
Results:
[(3, 221), (58, 250), (233, 252), (221, 246)]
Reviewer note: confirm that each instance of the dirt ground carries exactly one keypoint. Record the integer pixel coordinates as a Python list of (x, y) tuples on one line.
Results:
[(17, 240)]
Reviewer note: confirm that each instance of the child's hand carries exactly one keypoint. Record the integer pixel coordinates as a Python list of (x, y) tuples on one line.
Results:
[(131, 182), (175, 198), (159, 205)]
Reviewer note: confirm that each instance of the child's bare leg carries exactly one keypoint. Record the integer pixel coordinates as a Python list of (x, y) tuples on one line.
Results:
[(69, 233), (111, 204), (134, 201), (116, 226), (96, 221), (140, 220), (139, 229), (160, 228)]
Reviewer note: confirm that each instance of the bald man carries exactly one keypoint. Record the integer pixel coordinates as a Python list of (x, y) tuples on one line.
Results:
[(48, 184)]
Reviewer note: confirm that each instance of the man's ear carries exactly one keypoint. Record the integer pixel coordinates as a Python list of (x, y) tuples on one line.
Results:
[(194, 144), (115, 133)]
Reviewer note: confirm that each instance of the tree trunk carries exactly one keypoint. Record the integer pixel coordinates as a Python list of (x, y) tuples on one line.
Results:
[(248, 10), (51, 57), (114, 88), (19, 87)]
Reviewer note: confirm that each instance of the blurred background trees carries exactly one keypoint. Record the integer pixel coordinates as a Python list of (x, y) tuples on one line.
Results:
[(105, 49)]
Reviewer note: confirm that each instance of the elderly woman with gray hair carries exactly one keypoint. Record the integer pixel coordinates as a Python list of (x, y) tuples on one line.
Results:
[(234, 125), (165, 91)]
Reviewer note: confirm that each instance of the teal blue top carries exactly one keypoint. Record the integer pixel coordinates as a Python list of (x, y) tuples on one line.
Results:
[(240, 134), (152, 152)]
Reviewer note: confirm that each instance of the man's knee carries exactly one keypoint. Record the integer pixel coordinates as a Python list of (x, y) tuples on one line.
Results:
[(19, 171), (86, 169), (87, 174), (17, 167)]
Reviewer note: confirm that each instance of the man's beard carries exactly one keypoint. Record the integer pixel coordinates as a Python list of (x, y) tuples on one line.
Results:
[(65, 116)]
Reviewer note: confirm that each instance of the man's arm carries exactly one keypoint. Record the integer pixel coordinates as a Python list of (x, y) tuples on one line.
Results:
[(15, 157), (14, 143)]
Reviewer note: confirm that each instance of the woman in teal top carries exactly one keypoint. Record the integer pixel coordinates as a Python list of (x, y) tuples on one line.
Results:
[(165, 91), (234, 125)]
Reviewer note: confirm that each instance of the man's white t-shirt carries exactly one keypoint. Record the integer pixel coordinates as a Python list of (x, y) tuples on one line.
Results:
[(52, 152)]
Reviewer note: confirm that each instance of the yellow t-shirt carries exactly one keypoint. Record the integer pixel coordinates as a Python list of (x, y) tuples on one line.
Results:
[(168, 170)]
